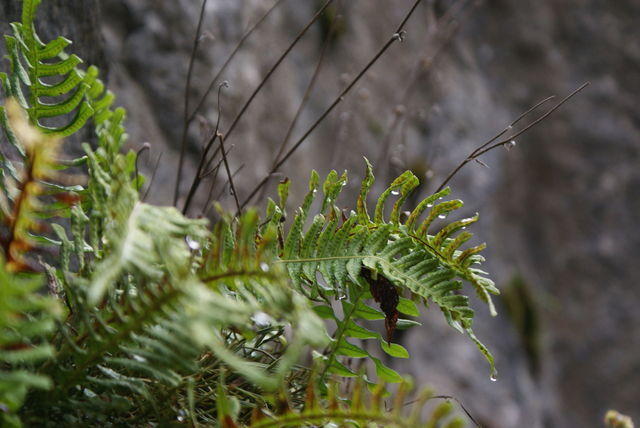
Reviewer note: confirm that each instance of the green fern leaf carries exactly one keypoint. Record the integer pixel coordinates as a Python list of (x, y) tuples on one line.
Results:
[(351, 255)]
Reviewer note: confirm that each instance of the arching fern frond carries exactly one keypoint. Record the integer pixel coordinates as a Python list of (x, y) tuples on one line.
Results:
[(167, 293), (24, 183), (359, 407), (26, 319), (359, 257), (55, 87)]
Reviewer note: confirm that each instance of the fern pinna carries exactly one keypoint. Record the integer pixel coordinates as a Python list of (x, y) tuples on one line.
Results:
[(33, 64), (359, 258)]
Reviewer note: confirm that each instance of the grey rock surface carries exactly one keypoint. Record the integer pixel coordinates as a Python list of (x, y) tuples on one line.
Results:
[(559, 210)]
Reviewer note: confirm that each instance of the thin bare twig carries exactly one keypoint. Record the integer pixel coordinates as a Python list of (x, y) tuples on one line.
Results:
[(514, 123), (216, 135), (448, 397), (214, 181), (186, 122), (215, 78), (447, 25), (464, 409), (229, 175), (153, 177), (145, 147), (210, 171), (275, 67), (309, 89), (307, 93), (197, 178), (397, 36), (488, 146)]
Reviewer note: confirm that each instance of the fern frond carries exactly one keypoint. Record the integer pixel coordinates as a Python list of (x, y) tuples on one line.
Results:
[(359, 407), (23, 186), (155, 317), (26, 319), (55, 87), (357, 256)]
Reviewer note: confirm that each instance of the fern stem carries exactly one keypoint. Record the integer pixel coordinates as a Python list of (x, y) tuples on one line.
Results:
[(339, 334), (19, 208)]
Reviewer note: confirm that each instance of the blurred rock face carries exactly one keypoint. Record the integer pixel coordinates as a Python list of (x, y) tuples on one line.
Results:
[(559, 211)]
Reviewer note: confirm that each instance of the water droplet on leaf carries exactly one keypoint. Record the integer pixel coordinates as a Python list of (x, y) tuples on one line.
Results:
[(139, 358), (395, 192), (192, 243), (262, 319)]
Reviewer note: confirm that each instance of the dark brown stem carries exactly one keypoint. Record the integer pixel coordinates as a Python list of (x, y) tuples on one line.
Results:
[(464, 409), (197, 178), (236, 172), (145, 146), (185, 125), (488, 146), (214, 136), (397, 36), (213, 81), (306, 96), (446, 29), (309, 89), (153, 177), (275, 67), (229, 175)]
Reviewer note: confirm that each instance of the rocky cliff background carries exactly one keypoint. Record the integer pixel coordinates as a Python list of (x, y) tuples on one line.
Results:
[(559, 211)]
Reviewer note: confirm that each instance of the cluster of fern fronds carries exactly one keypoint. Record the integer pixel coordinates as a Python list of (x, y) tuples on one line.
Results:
[(150, 317)]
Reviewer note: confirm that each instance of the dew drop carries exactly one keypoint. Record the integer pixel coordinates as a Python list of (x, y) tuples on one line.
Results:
[(494, 377), (464, 228), (395, 192), (429, 205), (262, 319), (192, 243), (442, 216), (264, 267), (510, 145)]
